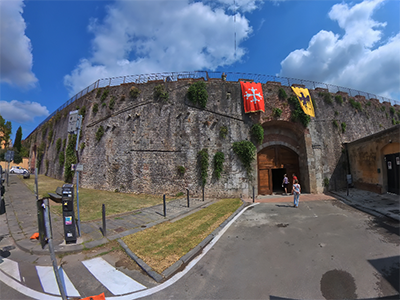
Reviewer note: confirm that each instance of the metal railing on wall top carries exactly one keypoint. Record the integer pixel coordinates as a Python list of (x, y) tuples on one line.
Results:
[(207, 75)]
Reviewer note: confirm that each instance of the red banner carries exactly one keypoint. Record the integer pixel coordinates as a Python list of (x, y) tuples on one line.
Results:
[(253, 98)]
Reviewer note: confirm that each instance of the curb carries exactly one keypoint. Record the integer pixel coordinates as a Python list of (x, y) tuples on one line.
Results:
[(372, 212), (184, 260)]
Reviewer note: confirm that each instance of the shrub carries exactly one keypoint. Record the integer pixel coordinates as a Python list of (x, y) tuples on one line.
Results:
[(122, 98), (99, 133), (257, 133), (82, 111), (336, 113), (58, 144), (383, 108), (103, 104), (339, 99), (50, 135), (112, 103), (355, 104), (298, 114), (133, 92), (98, 93), (223, 132), (246, 152), (181, 170), (277, 112), (335, 123), (282, 94), (83, 145), (203, 163), (160, 93), (326, 96), (343, 125), (392, 110), (197, 93), (104, 96), (61, 158), (326, 182), (95, 108), (70, 158), (218, 164)]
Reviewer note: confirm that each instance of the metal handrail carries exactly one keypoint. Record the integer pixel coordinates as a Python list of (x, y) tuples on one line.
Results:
[(207, 75)]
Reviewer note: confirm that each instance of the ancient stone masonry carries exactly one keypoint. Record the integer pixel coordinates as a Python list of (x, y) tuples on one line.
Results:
[(147, 138)]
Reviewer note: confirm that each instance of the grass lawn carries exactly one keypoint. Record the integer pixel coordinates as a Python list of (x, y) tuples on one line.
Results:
[(162, 245), (90, 201)]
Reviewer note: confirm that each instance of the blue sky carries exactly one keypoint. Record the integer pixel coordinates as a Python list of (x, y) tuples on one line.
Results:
[(51, 50)]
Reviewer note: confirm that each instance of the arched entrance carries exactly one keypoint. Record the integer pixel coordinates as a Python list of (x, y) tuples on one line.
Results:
[(273, 162)]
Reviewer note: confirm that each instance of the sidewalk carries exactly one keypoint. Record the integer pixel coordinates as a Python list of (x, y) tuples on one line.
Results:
[(375, 204), (21, 214)]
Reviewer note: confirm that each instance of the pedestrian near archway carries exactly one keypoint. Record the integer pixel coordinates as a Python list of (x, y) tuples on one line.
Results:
[(285, 183)]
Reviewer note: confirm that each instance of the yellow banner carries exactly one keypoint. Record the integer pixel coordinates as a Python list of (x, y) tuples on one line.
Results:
[(305, 100)]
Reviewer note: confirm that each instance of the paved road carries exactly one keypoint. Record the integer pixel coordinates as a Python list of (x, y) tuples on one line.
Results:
[(321, 250)]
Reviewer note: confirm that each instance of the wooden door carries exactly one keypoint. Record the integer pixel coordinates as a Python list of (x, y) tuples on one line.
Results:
[(275, 157), (266, 161)]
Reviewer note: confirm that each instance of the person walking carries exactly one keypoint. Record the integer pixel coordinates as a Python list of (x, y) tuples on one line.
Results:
[(294, 177), (285, 183), (296, 190)]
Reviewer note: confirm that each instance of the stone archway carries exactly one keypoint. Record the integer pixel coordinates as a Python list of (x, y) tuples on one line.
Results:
[(273, 162)]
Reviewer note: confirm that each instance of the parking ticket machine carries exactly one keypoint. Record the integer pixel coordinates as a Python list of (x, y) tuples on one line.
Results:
[(68, 213)]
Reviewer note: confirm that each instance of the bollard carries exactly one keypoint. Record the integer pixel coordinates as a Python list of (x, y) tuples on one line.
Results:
[(165, 206), (104, 219), (187, 191), (253, 194), (203, 192)]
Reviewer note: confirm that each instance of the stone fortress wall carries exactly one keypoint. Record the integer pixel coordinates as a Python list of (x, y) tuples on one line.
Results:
[(145, 139)]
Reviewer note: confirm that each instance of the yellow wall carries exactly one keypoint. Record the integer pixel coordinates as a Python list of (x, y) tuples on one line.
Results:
[(24, 164)]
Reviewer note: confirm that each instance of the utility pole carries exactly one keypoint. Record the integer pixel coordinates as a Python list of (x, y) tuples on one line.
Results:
[(74, 127)]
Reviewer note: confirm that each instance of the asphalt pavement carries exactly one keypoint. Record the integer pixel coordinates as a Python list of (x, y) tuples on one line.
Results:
[(21, 217)]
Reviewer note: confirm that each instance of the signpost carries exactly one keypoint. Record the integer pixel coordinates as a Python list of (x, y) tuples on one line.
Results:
[(74, 127), (9, 156)]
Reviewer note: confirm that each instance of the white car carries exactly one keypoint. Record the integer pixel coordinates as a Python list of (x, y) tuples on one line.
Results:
[(18, 170)]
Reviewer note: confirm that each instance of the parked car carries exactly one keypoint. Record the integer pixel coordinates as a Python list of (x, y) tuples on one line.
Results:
[(18, 170)]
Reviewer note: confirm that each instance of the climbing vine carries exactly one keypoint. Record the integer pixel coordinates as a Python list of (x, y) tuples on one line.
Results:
[(70, 158), (203, 164), (246, 152), (197, 93), (257, 133), (99, 133), (160, 93), (219, 159), (298, 114)]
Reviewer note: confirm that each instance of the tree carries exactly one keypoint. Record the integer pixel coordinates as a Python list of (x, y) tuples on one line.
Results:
[(5, 132), (17, 141)]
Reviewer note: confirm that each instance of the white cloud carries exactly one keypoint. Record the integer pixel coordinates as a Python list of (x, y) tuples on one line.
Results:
[(239, 5), (22, 112), (138, 37), (15, 46), (356, 59)]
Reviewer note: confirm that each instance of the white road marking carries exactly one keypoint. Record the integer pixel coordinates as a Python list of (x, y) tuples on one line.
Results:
[(38, 295), (115, 281), (11, 268), (49, 282)]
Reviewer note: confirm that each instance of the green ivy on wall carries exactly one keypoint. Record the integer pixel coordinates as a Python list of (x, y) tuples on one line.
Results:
[(246, 152), (203, 164), (70, 158), (298, 114), (257, 133), (197, 94), (99, 133), (218, 160)]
